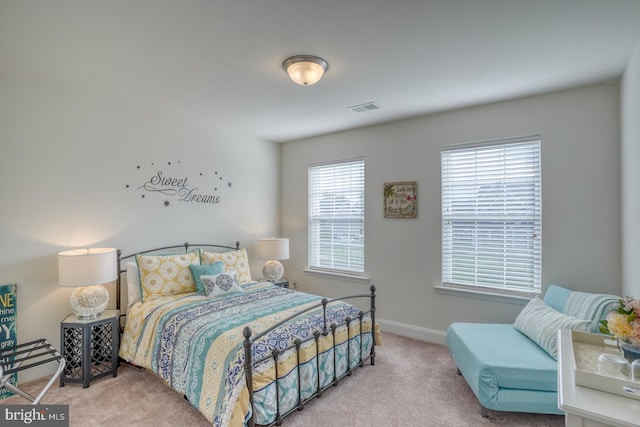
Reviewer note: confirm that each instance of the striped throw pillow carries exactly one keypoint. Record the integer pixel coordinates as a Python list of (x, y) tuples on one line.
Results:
[(541, 323)]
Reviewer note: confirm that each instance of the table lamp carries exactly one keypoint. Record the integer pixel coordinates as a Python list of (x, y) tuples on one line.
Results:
[(273, 249), (87, 270)]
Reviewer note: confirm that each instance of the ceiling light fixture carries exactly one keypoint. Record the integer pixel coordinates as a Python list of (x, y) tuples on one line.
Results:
[(305, 70)]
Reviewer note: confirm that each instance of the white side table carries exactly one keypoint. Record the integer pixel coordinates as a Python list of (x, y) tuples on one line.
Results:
[(587, 407)]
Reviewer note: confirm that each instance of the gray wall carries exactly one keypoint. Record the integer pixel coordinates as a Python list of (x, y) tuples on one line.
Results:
[(580, 202), (66, 157), (630, 176)]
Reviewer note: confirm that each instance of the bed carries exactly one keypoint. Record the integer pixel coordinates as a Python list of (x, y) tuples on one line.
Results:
[(242, 352)]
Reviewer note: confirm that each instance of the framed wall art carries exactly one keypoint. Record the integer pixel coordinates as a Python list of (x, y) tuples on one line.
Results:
[(8, 316), (400, 199)]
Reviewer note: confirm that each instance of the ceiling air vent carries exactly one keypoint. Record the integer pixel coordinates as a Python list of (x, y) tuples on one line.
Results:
[(365, 107)]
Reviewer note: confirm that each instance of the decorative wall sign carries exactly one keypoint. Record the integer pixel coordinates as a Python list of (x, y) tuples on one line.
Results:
[(400, 199), (202, 188), (8, 306)]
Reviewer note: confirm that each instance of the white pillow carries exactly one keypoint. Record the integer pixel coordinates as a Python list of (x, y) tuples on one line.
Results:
[(541, 323), (133, 284), (221, 284)]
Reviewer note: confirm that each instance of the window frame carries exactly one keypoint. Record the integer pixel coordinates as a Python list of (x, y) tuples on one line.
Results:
[(514, 196), (318, 261)]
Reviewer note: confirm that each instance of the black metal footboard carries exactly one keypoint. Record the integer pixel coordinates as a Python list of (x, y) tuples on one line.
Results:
[(326, 330)]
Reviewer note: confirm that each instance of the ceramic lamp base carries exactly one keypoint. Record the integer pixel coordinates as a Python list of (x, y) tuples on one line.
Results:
[(89, 301), (272, 270)]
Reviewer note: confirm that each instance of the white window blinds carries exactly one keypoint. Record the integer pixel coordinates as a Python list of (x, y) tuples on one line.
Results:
[(336, 216), (491, 214)]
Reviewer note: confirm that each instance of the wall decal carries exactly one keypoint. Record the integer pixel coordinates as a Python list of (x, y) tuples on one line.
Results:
[(173, 185), (400, 199)]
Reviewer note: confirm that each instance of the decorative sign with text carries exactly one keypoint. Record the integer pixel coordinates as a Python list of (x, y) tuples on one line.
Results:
[(168, 184), (8, 318), (400, 200)]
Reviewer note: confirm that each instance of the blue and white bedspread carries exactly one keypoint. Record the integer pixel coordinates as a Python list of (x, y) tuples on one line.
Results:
[(195, 344)]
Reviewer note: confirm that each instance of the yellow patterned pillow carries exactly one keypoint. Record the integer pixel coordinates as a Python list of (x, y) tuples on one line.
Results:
[(236, 259), (162, 275)]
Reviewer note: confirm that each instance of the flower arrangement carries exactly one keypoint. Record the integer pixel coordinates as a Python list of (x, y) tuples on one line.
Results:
[(624, 322)]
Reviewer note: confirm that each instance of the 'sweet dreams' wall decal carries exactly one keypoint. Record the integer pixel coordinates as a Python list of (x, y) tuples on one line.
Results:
[(172, 186)]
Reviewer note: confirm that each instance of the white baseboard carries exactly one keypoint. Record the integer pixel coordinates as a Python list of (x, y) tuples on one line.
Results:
[(413, 331)]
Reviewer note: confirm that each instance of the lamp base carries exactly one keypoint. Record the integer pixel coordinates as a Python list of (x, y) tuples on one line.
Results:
[(89, 301), (272, 270)]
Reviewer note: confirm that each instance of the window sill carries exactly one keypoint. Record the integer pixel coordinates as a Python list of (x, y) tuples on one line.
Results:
[(520, 298), (364, 279)]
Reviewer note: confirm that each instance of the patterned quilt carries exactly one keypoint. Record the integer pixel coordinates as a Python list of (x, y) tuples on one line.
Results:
[(195, 344)]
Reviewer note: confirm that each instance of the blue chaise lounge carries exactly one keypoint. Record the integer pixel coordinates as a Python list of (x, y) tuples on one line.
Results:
[(512, 367)]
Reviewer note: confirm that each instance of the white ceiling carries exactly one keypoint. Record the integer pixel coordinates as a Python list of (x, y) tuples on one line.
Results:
[(220, 61)]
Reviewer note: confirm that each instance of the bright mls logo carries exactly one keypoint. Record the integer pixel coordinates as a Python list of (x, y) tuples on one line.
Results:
[(35, 415)]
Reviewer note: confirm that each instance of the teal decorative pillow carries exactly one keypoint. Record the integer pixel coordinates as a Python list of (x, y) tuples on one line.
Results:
[(221, 284), (205, 270), (541, 324)]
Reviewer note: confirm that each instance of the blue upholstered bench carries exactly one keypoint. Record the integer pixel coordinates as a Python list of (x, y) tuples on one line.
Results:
[(513, 367)]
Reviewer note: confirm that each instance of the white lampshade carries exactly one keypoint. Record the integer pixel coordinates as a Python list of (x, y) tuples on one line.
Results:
[(305, 70), (272, 250), (85, 267), (87, 270)]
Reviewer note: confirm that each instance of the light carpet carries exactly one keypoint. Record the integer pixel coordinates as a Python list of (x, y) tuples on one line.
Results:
[(413, 383)]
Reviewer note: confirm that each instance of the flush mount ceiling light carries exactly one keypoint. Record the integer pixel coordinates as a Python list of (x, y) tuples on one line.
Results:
[(305, 70)]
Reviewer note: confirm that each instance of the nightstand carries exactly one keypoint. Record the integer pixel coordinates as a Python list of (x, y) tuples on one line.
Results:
[(90, 347), (283, 282)]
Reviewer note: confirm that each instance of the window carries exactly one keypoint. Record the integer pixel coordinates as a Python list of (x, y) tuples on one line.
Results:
[(491, 215), (336, 217)]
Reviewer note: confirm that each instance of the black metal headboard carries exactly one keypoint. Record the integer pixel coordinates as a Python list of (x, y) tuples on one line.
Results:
[(186, 247)]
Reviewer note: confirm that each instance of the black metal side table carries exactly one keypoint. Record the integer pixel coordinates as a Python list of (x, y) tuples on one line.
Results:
[(90, 347), (283, 282)]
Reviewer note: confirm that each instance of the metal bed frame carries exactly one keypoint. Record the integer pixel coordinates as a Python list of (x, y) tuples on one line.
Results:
[(249, 339), (186, 247), (326, 330)]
